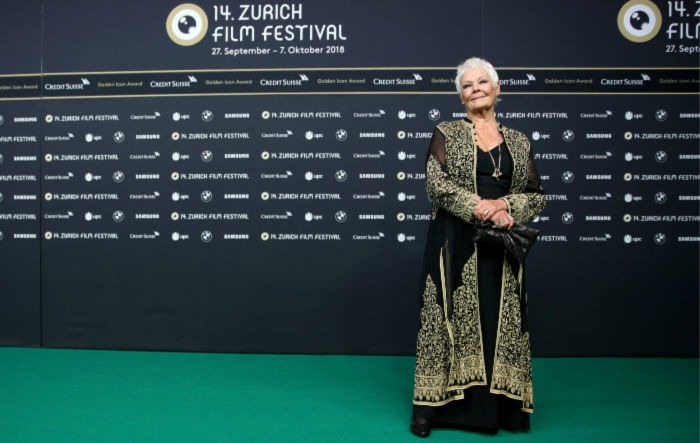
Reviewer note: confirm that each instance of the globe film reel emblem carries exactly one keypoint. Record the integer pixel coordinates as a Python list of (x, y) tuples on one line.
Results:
[(187, 24), (639, 20)]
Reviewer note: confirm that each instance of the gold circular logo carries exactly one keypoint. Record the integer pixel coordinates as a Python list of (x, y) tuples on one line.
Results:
[(639, 20), (187, 24)]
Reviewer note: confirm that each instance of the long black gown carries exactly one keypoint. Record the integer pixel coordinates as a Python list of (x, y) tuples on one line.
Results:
[(481, 410)]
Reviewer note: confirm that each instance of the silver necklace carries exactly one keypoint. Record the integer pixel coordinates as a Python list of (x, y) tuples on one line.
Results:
[(496, 169)]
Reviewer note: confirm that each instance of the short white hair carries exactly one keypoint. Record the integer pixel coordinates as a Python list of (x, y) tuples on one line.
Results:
[(475, 63)]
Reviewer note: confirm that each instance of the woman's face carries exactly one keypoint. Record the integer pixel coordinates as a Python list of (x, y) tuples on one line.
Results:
[(478, 92)]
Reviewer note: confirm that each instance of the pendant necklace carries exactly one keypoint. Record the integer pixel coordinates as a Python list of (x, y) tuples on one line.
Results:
[(496, 169)]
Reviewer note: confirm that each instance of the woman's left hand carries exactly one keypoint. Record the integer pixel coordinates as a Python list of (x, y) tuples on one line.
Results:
[(485, 209), (501, 219)]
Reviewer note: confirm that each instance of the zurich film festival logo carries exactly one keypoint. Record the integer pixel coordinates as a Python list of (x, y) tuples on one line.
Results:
[(187, 24), (639, 20)]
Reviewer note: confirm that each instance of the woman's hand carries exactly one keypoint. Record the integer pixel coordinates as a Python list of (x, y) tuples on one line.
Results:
[(485, 209), (501, 219)]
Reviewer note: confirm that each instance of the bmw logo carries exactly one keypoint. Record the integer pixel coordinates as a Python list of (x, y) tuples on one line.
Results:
[(660, 198), (206, 236), (567, 218), (660, 238), (341, 216), (341, 176), (660, 156)]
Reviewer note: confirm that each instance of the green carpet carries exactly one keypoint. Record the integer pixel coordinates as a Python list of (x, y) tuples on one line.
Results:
[(71, 396)]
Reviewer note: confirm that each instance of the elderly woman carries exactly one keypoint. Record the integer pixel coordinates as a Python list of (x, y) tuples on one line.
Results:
[(473, 352)]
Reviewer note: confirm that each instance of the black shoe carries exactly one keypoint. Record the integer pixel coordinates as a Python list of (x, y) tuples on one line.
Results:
[(420, 427)]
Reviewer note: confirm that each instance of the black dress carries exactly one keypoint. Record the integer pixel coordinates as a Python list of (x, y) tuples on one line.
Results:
[(481, 410)]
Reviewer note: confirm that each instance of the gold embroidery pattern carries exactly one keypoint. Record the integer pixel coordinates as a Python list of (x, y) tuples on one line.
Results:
[(512, 370), (468, 368), (523, 206), (445, 193), (459, 153), (432, 351), (452, 187), (443, 370), (445, 365)]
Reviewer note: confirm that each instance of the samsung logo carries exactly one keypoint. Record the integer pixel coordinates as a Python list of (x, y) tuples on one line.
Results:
[(371, 176), (598, 177), (147, 136), (236, 236)]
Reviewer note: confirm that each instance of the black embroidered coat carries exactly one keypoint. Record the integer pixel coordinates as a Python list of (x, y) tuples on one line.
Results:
[(450, 354)]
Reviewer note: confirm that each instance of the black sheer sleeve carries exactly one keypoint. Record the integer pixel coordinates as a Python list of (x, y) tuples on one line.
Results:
[(437, 147), (442, 189), (528, 204)]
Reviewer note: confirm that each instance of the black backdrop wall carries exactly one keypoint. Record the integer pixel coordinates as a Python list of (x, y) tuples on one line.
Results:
[(248, 177)]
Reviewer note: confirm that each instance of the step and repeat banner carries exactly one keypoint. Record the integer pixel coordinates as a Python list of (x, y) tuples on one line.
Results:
[(249, 177)]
